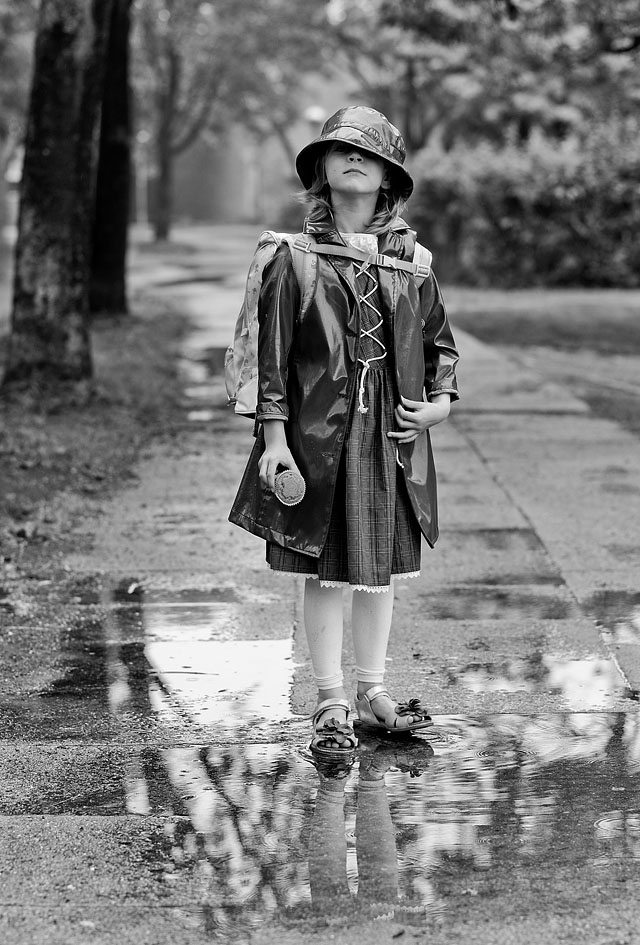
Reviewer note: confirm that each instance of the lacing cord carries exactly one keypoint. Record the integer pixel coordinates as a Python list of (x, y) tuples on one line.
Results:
[(369, 332), (366, 363)]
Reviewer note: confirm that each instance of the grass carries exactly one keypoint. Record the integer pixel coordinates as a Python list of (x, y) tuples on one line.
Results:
[(88, 446), (599, 320), (595, 329)]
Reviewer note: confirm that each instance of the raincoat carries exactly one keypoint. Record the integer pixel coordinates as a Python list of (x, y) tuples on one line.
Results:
[(308, 375)]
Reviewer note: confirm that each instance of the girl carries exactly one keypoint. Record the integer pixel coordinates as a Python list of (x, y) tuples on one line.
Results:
[(346, 397)]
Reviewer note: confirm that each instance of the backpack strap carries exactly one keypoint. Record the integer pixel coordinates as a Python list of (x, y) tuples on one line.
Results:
[(422, 258), (419, 269), (305, 266)]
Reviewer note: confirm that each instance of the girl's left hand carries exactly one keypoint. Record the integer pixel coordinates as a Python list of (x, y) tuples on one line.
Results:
[(415, 416)]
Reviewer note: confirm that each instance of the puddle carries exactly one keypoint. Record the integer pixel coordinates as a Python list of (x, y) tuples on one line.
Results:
[(202, 391), (256, 834), (490, 602), (222, 683), (200, 416), (170, 659), (480, 816), (187, 662), (582, 683), (201, 367), (618, 615), (412, 829), (194, 278), (194, 371)]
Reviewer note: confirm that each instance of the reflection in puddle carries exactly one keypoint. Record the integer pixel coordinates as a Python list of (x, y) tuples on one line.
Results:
[(187, 676), (223, 682), (501, 602), (415, 833), (420, 832), (583, 683), (409, 831)]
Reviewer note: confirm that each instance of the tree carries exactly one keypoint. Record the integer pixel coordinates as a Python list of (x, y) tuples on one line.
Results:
[(49, 340), (203, 65), (113, 186)]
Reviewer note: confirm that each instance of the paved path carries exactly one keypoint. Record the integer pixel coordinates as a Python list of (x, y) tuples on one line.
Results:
[(157, 788)]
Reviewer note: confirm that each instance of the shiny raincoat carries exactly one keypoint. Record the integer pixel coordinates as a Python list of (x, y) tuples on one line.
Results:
[(308, 375)]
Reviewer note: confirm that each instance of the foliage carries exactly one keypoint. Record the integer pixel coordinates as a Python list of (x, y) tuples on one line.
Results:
[(488, 70), (521, 119), (536, 214)]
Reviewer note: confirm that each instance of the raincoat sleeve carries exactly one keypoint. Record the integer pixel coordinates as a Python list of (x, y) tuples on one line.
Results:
[(278, 306), (440, 352)]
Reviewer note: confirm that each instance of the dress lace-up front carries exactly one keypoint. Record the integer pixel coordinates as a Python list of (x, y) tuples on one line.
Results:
[(371, 327)]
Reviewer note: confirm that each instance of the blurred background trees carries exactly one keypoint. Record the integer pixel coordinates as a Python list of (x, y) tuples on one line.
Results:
[(16, 41), (202, 67), (521, 118), (526, 137)]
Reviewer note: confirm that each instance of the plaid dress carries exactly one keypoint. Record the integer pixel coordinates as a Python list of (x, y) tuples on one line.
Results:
[(373, 533)]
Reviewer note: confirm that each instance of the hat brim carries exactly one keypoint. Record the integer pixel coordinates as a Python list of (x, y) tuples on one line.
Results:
[(306, 159)]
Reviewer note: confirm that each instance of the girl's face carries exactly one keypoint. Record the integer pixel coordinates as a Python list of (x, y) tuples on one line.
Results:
[(352, 171)]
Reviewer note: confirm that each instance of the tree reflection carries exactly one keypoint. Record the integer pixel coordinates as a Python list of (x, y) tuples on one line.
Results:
[(258, 833)]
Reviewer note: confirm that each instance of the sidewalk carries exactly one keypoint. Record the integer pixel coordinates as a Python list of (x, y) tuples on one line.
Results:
[(155, 788)]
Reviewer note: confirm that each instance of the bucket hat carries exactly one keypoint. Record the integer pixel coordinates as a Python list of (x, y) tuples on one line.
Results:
[(366, 129)]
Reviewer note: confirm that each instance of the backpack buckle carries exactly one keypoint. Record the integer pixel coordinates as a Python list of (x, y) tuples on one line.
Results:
[(423, 272), (302, 244), (387, 262)]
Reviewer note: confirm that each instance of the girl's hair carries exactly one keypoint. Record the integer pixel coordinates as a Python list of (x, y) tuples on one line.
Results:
[(389, 206)]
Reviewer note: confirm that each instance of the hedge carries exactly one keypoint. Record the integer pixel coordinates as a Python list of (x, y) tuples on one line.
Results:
[(540, 215)]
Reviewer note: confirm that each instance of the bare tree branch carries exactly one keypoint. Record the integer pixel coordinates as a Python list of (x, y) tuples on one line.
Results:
[(202, 113)]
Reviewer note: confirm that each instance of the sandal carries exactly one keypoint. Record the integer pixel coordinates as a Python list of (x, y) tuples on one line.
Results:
[(368, 717), (334, 740)]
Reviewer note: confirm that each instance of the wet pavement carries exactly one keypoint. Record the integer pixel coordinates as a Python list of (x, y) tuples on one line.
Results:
[(156, 783)]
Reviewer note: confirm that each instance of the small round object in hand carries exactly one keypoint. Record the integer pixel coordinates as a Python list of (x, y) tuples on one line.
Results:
[(290, 487)]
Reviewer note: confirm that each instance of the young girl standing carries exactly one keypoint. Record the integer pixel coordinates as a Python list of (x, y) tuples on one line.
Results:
[(346, 397)]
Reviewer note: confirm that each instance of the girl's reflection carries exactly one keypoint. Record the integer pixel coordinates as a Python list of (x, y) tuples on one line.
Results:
[(376, 853)]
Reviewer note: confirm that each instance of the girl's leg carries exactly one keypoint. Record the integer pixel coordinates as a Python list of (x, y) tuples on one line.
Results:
[(371, 625), (324, 625)]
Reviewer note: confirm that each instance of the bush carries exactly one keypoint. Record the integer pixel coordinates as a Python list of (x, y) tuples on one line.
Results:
[(543, 214)]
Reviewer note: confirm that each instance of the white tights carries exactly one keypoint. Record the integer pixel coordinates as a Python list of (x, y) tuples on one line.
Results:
[(371, 624)]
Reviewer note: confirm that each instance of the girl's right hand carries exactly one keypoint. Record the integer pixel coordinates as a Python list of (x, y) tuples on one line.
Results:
[(276, 454)]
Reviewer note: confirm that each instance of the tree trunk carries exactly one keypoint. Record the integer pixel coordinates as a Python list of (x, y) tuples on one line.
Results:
[(163, 203), (167, 98), (108, 291), (49, 340)]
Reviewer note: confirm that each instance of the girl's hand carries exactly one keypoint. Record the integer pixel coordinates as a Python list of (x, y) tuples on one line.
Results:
[(277, 453), (415, 416)]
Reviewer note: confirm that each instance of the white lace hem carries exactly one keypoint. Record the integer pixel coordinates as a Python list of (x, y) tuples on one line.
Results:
[(369, 588)]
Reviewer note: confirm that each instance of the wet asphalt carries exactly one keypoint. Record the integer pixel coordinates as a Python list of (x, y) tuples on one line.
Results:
[(156, 784)]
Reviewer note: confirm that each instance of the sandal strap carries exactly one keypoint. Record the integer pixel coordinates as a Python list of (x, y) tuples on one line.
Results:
[(328, 704), (376, 691)]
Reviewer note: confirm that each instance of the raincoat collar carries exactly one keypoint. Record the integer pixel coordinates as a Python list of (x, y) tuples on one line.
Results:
[(329, 233), (399, 240)]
